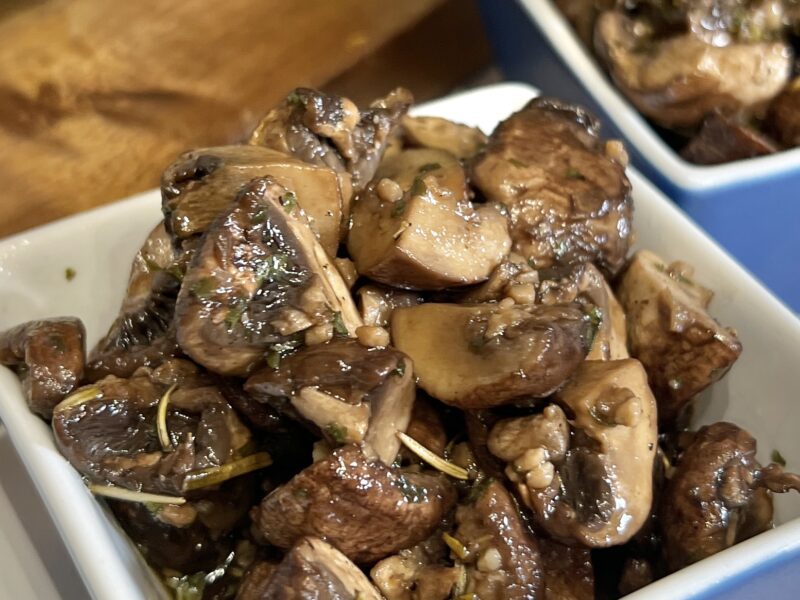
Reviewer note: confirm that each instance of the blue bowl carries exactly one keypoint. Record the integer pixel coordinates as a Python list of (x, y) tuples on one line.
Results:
[(752, 207)]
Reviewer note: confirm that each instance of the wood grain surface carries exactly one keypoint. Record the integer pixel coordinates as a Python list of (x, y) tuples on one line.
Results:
[(97, 96)]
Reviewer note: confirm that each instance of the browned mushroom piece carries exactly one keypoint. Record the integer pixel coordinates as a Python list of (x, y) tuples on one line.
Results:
[(582, 15), (568, 572), (513, 278), (678, 80), (595, 488), (311, 570), (498, 550), (376, 303), (349, 393), (109, 431), (200, 184), (420, 573), (718, 495), (415, 228), (143, 334), (426, 426), (362, 507), (683, 349), (586, 283), (259, 285), (330, 131), (783, 117), (724, 138), (461, 141), (483, 355), (49, 356), (565, 190)]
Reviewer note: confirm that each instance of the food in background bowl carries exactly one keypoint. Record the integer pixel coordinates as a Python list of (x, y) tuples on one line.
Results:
[(401, 443), (717, 77)]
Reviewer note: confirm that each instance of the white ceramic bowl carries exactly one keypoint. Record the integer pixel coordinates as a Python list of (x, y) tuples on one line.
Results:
[(759, 393), (750, 206)]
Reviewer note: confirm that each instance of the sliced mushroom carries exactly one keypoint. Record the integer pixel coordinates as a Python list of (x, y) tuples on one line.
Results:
[(783, 118), (718, 495), (414, 226), (362, 507), (258, 282), (510, 439), (349, 393), (568, 572), (568, 197), (513, 278), (419, 573), (49, 357), (678, 80), (107, 430), (311, 570), (586, 282), (328, 130), (377, 302), (682, 348), (599, 493), (461, 141), (501, 555), (482, 355), (143, 334), (724, 138), (200, 184)]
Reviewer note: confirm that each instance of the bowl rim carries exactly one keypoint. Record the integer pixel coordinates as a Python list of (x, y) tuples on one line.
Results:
[(638, 132)]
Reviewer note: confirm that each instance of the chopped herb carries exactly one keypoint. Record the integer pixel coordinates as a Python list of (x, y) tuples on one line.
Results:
[(176, 271), (418, 188), (151, 265), (777, 457), (294, 99), (517, 163), (426, 168), (338, 324), (153, 507), (683, 279), (289, 201), (235, 313), (400, 370), (273, 359), (601, 417), (301, 493), (398, 208), (338, 433), (70, 273), (204, 288), (278, 351), (660, 267), (595, 316), (573, 173), (274, 268), (478, 488), (188, 587), (532, 263), (259, 217)]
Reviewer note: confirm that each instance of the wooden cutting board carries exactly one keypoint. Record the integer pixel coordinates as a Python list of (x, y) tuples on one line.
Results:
[(98, 96)]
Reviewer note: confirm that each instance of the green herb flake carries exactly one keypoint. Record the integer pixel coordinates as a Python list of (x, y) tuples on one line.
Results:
[(660, 267), (294, 99), (777, 458), (70, 273), (176, 271), (398, 208), (595, 316), (259, 217), (273, 359), (204, 288), (400, 370), (517, 163), (428, 167), (338, 324), (573, 173), (684, 280), (478, 488), (153, 507), (418, 188), (152, 266), (289, 201), (235, 313), (188, 587), (301, 493), (601, 417), (337, 432)]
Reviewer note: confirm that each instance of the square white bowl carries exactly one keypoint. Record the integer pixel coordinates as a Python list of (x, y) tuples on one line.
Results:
[(759, 393), (752, 207)]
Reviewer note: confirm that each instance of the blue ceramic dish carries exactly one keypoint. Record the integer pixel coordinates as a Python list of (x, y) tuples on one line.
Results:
[(751, 207)]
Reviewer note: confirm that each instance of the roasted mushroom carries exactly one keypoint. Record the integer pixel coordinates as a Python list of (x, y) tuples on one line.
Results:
[(718, 495), (682, 348), (461, 141), (482, 355), (200, 184), (568, 199), (143, 334), (678, 80), (568, 572), (414, 226), (49, 356), (724, 138), (783, 118), (330, 131), (311, 570), (349, 393), (376, 303), (598, 492), (501, 555), (362, 507), (163, 431), (260, 283)]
